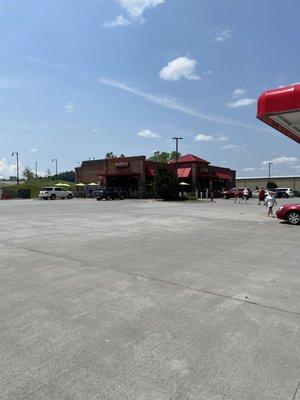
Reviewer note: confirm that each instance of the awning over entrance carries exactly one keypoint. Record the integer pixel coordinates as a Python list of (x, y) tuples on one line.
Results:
[(222, 175), (183, 172), (280, 108)]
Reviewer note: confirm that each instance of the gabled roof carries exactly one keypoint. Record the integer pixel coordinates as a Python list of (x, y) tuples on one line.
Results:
[(190, 158)]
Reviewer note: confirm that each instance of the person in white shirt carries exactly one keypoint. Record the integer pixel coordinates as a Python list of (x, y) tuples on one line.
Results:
[(246, 194), (270, 202)]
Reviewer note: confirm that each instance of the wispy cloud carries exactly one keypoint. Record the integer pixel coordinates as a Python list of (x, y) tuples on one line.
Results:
[(34, 150), (69, 107), (223, 138), (241, 103), (136, 8), (52, 65), (173, 104), (248, 169), (237, 93), (147, 134), (282, 160), (181, 67), (117, 22), (234, 146), (222, 34), (203, 138)]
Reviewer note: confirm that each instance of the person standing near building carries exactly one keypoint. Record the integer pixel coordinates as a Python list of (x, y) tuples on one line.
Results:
[(270, 202), (261, 195)]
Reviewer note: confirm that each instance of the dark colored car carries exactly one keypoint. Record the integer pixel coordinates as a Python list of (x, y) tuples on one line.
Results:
[(230, 193), (289, 213), (110, 194)]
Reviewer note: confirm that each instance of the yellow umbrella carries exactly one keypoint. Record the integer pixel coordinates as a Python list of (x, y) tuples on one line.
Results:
[(92, 184), (80, 184), (63, 184)]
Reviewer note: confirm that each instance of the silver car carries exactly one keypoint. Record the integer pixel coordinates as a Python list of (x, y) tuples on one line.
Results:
[(52, 192)]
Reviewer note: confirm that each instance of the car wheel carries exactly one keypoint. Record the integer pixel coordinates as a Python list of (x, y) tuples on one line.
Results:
[(53, 197), (98, 199), (45, 198), (70, 196), (293, 218)]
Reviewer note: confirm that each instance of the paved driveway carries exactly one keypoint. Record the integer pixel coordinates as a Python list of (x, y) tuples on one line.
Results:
[(145, 300)]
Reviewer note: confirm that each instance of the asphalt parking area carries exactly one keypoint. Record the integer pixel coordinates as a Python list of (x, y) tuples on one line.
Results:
[(145, 300)]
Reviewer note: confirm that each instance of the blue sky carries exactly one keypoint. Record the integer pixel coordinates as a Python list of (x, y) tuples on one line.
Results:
[(81, 78)]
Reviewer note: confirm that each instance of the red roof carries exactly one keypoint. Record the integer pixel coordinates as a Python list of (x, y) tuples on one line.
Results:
[(190, 158), (183, 172), (223, 175), (280, 108)]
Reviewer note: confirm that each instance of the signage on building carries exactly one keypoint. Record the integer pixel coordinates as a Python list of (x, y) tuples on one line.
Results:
[(123, 164)]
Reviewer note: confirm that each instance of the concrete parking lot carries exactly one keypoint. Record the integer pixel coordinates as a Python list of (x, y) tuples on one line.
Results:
[(146, 300)]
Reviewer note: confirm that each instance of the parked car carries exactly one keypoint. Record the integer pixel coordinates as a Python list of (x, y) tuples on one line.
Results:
[(284, 192), (52, 192), (289, 213), (110, 194), (230, 193)]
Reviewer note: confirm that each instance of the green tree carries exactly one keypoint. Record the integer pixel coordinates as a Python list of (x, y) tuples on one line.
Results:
[(28, 174), (68, 176), (110, 155), (122, 155), (173, 155), (162, 157), (271, 185), (165, 183)]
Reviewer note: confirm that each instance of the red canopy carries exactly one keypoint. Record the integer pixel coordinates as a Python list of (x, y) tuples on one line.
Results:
[(183, 172), (280, 108), (223, 176)]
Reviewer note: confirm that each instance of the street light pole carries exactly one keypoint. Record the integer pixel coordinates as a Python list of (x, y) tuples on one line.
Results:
[(55, 159), (15, 153), (177, 140), (270, 163)]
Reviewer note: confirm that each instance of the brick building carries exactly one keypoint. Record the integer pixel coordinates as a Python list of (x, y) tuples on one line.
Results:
[(136, 173)]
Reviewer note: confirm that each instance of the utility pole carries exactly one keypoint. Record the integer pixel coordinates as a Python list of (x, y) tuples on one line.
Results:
[(55, 160), (177, 140), (15, 153), (270, 163)]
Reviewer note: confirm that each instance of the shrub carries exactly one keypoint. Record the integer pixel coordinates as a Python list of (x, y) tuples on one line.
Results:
[(165, 183)]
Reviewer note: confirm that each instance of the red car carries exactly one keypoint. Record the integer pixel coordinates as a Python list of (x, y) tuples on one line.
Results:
[(290, 213)]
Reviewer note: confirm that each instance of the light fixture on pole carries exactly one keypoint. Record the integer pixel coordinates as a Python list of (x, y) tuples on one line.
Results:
[(270, 163), (15, 153), (55, 160), (177, 140)]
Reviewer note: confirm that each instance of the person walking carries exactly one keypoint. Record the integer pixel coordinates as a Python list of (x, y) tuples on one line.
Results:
[(261, 195), (270, 202), (236, 195), (246, 194)]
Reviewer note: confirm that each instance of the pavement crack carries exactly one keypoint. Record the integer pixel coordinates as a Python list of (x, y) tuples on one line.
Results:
[(296, 392), (149, 277)]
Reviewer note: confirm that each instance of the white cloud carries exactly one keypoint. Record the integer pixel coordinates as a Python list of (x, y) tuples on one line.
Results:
[(222, 34), (147, 134), (7, 169), (249, 169), (60, 67), (136, 8), (222, 138), (181, 67), (95, 130), (282, 160), (203, 138), (172, 104), (238, 93), (34, 150), (118, 21), (241, 103), (233, 146), (69, 107)]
